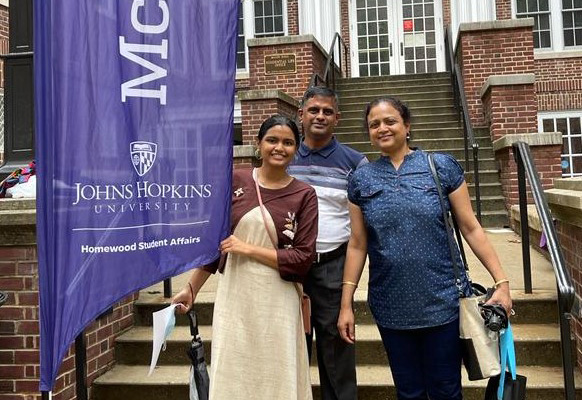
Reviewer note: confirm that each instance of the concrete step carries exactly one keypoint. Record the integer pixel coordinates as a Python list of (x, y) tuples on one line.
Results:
[(397, 90), (351, 103), (486, 189), (494, 219), (375, 382), (535, 344), (394, 79), (537, 308), (485, 176), (443, 95)]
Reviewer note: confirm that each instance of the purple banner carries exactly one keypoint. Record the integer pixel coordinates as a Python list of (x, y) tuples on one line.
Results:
[(134, 119)]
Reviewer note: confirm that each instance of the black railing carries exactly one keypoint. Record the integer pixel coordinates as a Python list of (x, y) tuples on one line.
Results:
[(566, 291), (329, 74), (463, 109)]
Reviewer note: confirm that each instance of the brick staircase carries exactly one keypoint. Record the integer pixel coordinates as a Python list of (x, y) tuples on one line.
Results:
[(535, 330), (435, 127)]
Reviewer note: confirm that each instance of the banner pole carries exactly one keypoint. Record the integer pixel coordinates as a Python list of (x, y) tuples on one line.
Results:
[(81, 366), (45, 395)]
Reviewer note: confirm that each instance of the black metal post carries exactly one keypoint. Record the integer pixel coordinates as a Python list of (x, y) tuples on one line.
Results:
[(168, 288), (44, 395), (566, 342), (523, 220), (81, 367)]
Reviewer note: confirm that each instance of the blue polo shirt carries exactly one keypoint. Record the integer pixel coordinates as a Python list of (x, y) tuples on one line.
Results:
[(412, 281), (328, 170)]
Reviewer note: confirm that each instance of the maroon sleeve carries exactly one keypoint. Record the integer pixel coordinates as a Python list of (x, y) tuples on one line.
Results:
[(294, 262)]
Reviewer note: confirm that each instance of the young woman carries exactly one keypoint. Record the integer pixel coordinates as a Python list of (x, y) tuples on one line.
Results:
[(397, 220), (258, 340)]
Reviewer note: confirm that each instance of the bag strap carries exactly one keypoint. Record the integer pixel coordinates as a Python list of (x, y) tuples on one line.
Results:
[(450, 237), (271, 234), (262, 207)]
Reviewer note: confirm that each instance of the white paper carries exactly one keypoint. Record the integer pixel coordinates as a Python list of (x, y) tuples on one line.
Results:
[(164, 321)]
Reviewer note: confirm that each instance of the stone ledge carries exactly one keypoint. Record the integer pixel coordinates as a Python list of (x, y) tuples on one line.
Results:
[(17, 204), (532, 139), (507, 80), (565, 198), (5, 3), (533, 218), (267, 94), (549, 55), (568, 183), (283, 40), (243, 151), (498, 24)]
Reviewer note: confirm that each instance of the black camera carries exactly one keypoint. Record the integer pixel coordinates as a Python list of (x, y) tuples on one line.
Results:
[(494, 316)]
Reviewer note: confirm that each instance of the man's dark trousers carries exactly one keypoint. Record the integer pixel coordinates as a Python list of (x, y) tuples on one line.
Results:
[(336, 359)]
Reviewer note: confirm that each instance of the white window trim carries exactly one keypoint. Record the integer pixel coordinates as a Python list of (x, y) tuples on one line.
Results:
[(556, 35), (249, 29), (555, 115)]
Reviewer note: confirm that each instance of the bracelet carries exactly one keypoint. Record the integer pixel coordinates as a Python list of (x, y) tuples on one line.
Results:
[(350, 283), (191, 291), (499, 282)]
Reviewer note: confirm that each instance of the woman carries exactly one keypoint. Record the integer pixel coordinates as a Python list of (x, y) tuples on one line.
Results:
[(396, 218), (258, 340)]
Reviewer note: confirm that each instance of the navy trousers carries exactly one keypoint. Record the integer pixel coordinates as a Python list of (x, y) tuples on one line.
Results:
[(426, 362)]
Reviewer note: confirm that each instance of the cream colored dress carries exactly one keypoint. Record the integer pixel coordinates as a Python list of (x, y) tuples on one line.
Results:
[(258, 343)]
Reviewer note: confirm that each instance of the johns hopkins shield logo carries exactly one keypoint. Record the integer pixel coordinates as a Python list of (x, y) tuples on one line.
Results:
[(143, 155)]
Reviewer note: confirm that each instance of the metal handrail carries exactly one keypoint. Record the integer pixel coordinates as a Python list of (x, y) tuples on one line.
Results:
[(328, 77), (462, 107), (566, 291)]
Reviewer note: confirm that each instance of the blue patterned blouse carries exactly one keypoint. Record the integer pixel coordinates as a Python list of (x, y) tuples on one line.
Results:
[(412, 282)]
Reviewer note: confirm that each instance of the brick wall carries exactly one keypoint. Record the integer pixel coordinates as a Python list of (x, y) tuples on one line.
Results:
[(254, 112), (570, 237), (3, 40), (546, 160), (503, 9), (292, 17), (19, 332), (559, 84), (499, 51), (345, 33), (510, 109), (446, 12)]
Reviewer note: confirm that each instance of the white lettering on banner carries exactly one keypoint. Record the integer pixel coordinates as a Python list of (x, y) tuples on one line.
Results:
[(130, 51), (152, 244), (154, 29)]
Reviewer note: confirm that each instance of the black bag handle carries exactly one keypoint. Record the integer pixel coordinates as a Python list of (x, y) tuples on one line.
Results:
[(450, 236)]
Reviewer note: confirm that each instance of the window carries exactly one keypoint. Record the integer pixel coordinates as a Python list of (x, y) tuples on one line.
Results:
[(257, 19), (572, 19), (539, 10), (241, 56), (557, 23), (569, 125), (268, 18)]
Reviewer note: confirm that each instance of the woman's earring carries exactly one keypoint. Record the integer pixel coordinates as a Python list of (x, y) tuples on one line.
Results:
[(258, 153), (407, 135)]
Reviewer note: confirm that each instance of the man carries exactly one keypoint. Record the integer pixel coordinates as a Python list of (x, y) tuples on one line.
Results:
[(326, 165)]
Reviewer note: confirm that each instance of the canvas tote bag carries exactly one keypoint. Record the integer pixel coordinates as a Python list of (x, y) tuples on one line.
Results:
[(480, 346)]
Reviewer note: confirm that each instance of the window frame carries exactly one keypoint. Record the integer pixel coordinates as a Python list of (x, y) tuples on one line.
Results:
[(557, 115), (248, 9), (556, 28)]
